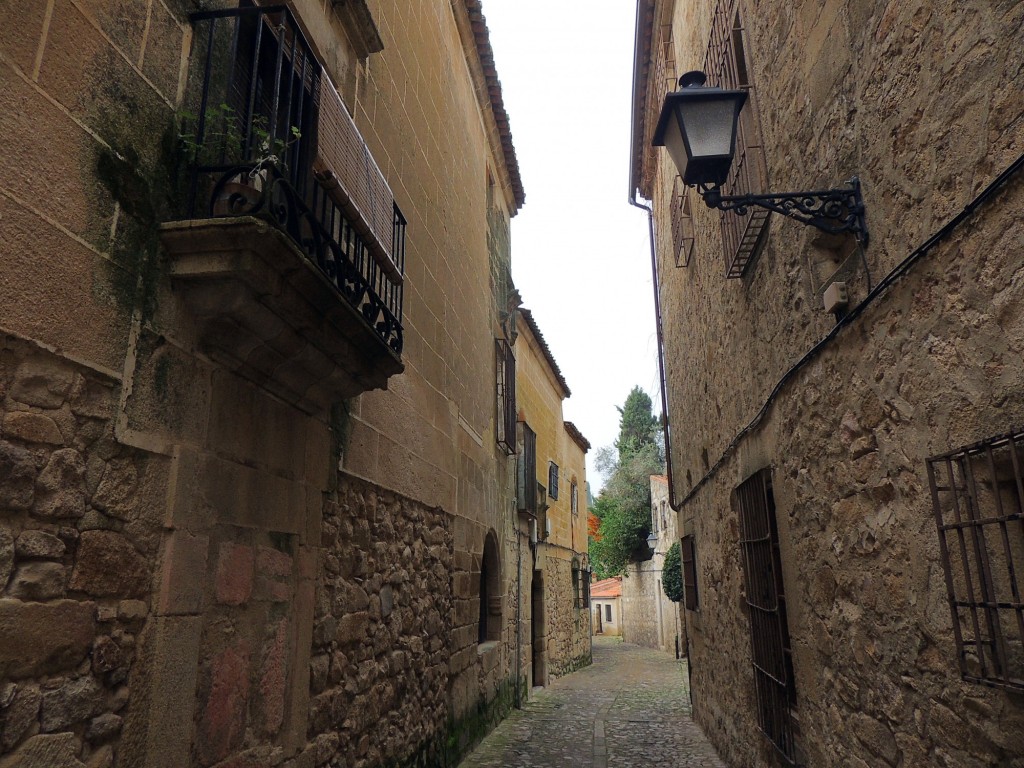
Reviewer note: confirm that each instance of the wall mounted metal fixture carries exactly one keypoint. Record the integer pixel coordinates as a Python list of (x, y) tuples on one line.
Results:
[(698, 127)]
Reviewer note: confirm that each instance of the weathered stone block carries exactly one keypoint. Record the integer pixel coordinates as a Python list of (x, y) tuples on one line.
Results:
[(32, 428), (20, 715), (223, 720), (235, 564), (71, 703), (106, 654), (877, 737), (59, 750), (352, 627), (44, 383), (6, 556), (40, 638), (103, 727), (17, 476), (132, 610), (183, 576), (272, 681), (61, 485), (36, 544), (38, 581), (116, 494), (109, 566)]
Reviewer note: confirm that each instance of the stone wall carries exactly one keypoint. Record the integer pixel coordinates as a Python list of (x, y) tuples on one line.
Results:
[(568, 626), (642, 599), (933, 363), (78, 541), (382, 638)]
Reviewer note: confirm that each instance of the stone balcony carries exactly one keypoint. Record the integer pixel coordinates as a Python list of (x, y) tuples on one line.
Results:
[(264, 310)]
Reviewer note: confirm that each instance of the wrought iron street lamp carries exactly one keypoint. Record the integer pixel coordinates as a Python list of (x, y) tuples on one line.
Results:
[(698, 127), (652, 541)]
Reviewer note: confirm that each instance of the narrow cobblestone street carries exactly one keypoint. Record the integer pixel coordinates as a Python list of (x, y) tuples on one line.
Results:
[(629, 708)]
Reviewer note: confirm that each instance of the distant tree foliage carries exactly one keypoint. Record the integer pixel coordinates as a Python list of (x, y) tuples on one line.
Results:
[(624, 505), (672, 574), (638, 426)]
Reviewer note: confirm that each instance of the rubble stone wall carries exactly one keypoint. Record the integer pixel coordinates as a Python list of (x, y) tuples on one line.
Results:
[(382, 634), (78, 540), (568, 626), (934, 363)]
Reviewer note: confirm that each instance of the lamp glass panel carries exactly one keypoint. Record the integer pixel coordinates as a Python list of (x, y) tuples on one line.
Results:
[(675, 145), (709, 125)]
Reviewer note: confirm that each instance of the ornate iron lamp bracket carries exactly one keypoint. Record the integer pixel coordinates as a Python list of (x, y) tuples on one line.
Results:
[(831, 210)]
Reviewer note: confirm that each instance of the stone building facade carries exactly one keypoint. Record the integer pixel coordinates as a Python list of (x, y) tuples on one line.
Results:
[(654, 620), (554, 559), (256, 507), (854, 559)]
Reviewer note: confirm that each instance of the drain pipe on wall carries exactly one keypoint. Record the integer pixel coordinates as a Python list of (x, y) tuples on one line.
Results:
[(664, 406), (519, 608)]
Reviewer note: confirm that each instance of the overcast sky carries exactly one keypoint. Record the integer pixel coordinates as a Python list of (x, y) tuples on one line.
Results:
[(580, 256)]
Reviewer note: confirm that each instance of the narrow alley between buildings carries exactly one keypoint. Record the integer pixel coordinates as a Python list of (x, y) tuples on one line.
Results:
[(631, 707)]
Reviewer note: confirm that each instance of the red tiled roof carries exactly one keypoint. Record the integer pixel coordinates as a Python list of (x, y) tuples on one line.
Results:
[(486, 53), (532, 325), (577, 436), (607, 588)]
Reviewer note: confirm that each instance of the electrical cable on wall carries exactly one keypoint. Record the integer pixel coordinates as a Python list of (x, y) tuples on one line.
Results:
[(899, 271)]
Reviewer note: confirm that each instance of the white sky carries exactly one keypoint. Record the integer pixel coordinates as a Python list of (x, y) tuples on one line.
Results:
[(580, 255)]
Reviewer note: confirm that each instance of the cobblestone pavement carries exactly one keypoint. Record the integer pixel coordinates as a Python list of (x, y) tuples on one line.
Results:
[(630, 708)]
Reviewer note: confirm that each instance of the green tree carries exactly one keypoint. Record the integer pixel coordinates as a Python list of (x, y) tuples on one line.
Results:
[(672, 574), (623, 506), (638, 426)]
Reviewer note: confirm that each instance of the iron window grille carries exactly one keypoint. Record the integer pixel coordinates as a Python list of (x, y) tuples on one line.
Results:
[(978, 501), (662, 79), (553, 480), (682, 224), (688, 557), (574, 498), (771, 650), (505, 387), (727, 67), (526, 470), (577, 585), (258, 92)]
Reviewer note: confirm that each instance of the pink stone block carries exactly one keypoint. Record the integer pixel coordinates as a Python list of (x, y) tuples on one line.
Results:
[(272, 683), (234, 573), (223, 719)]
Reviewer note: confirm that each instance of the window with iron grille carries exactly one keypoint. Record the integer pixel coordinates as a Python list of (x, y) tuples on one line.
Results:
[(688, 557), (608, 613), (682, 224), (574, 498), (727, 66), (978, 500), (526, 469), (553, 480), (505, 387), (770, 646), (586, 588), (661, 80), (577, 585)]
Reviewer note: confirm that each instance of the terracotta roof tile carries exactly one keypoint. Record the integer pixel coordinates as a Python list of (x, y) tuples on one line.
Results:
[(486, 53)]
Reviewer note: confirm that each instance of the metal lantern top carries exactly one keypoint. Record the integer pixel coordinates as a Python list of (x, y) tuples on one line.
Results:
[(698, 127)]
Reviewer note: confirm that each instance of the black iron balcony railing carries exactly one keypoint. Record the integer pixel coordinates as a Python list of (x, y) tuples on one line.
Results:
[(253, 140)]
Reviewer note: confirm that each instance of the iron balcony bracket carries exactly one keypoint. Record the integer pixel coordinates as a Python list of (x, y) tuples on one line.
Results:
[(831, 210)]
